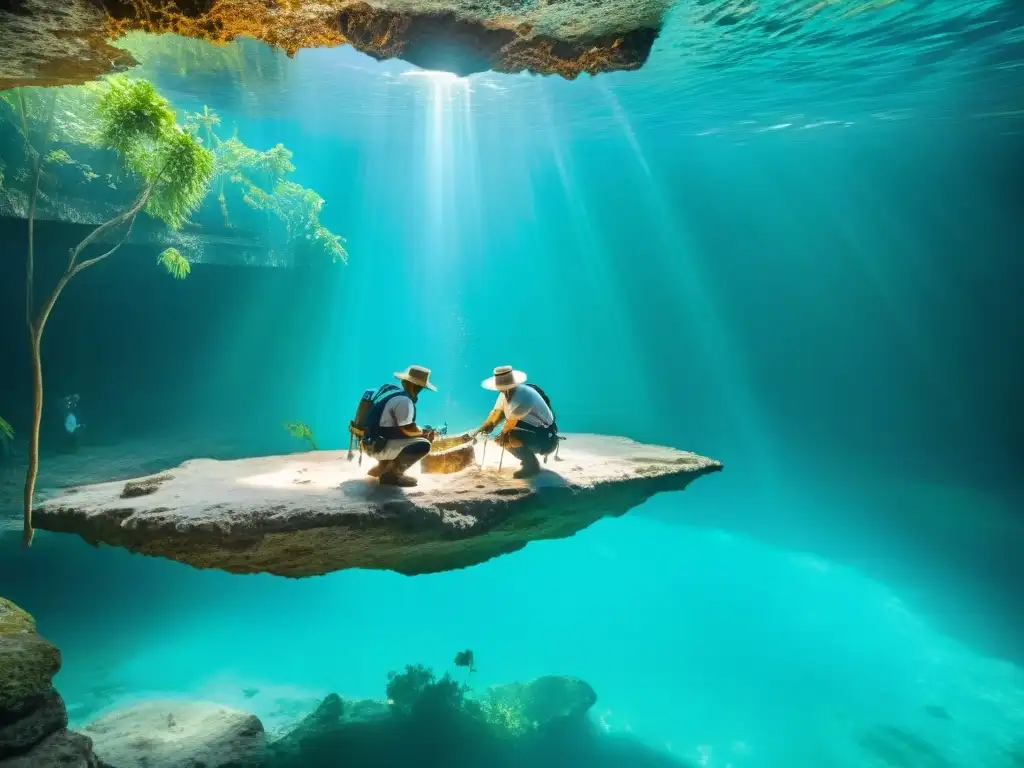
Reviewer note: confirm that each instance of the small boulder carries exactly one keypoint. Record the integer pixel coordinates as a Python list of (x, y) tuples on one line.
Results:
[(62, 749), (333, 721), (17, 735), (177, 734), (27, 661)]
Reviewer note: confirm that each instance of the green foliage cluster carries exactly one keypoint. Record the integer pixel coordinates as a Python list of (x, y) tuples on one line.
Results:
[(301, 431), (262, 177), (418, 693), (174, 264), (6, 430), (505, 715), (130, 118), (138, 123)]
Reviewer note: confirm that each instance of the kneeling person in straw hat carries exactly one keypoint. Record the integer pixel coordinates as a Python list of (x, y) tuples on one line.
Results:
[(530, 427), (390, 432)]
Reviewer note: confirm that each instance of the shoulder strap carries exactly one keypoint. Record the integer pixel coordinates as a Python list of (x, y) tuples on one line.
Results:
[(544, 397), (386, 390)]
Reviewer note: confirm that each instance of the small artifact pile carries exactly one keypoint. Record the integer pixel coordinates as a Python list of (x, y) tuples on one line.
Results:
[(450, 454)]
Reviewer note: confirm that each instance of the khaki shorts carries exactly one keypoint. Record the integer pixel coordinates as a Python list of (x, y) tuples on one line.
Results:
[(392, 448)]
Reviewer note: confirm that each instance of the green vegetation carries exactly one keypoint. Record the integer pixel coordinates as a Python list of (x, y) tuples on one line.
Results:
[(174, 263), (417, 693), (301, 431), (6, 430), (260, 180), (169, 165), (122, 134), (505, 714)]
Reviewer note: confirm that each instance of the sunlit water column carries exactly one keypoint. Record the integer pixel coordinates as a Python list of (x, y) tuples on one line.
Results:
[(448, 221)]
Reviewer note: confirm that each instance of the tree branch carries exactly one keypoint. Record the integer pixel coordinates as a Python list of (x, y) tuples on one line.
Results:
[(113, 223), (89, 262), (37, 159)]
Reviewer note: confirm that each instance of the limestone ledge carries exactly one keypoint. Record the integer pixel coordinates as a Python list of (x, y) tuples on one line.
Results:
[(311, 513)]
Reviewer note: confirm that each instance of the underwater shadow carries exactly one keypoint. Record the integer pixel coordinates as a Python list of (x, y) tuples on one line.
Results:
[(584, 746), (445, 742), (371, 490), (548, 478)]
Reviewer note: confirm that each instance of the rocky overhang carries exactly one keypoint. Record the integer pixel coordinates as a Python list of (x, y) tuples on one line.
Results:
[(312, 513), (64, 42)]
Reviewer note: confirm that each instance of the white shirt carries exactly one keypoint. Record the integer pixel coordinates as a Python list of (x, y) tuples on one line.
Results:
[(71, 423), (527, 405), (398, 412)]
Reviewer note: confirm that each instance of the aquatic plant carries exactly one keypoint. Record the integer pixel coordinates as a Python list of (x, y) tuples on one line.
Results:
[(301, 431), (172, 168), (6, 431), (174, 263), (261, 177), (417, 692), (505, 715)]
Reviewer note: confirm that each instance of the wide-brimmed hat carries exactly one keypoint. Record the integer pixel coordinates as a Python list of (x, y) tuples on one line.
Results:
[(417, 375), (504, 378)]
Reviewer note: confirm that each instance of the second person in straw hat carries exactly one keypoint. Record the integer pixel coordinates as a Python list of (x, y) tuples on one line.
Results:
[(391, 435), (530, 427)]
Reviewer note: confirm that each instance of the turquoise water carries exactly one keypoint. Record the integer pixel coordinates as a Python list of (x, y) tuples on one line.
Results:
[(799, 257)]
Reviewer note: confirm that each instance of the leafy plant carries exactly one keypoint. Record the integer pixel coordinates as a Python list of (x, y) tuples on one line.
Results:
[(6, 430), (172, 168), (504, 715), (174, 263), (301, 431), (417, 692), (264, 186)]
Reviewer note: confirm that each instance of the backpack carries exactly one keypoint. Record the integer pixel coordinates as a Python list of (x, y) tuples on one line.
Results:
[(545, 398), (366, 424)]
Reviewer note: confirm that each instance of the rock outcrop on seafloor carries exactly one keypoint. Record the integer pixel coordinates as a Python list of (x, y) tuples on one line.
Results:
[(437, 721), (177, 734), (61, 42), (433, 722), (313, 513), (33, 720)]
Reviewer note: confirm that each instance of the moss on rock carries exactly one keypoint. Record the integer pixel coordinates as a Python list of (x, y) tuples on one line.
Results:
[(27, 661)]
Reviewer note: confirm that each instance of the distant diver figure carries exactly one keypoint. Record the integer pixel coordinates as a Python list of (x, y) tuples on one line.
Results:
[(385, 425), (72, 424), (530, 429)]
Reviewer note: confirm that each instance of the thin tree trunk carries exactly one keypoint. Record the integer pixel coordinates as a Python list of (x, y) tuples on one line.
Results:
[(28, 532), (34, 336), (36, 339)]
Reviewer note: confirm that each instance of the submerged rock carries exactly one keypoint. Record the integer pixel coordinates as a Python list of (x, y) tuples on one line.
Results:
[(545, 702), (30, 728), (177, 734), (33, 720), (61, 42), (436, 721), (62, 749), (313, 513), (27, 661)]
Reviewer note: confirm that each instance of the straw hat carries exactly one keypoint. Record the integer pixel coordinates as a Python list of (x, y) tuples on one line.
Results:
[(504, 378), (417, 375)]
